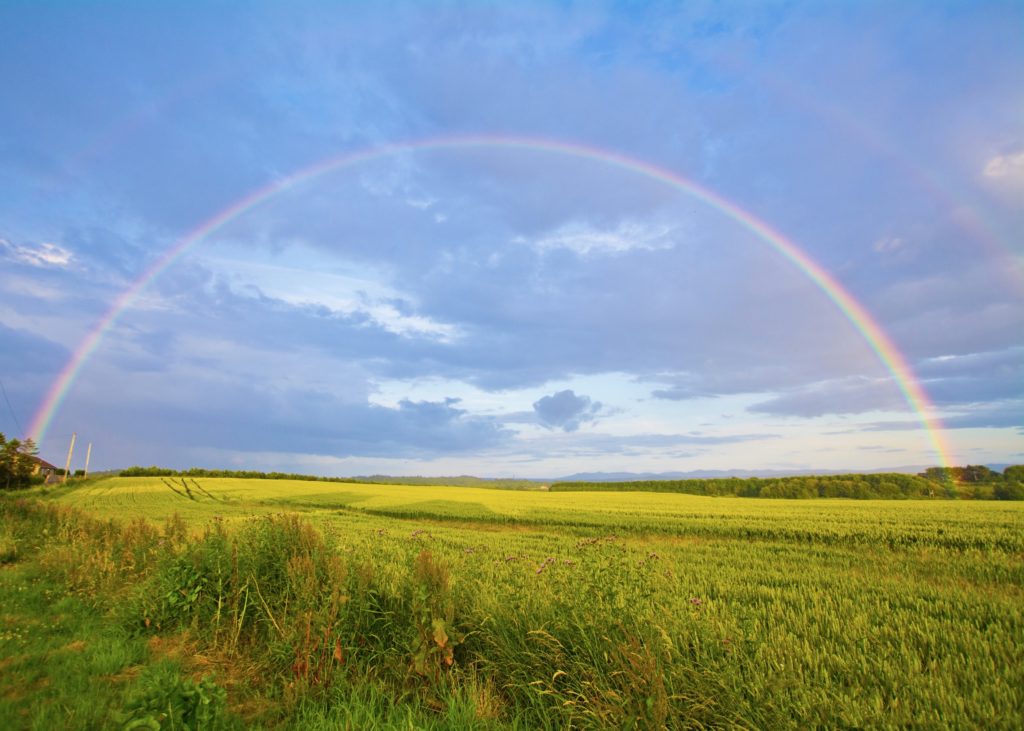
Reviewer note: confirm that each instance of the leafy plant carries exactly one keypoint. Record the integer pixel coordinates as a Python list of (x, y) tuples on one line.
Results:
[(165, 700), (435, 640)]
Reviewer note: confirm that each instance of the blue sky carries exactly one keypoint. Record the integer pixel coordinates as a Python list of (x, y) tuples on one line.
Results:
[(499, 311)]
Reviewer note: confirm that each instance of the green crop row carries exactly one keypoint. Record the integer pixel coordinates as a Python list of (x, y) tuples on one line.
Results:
[(957, 525)]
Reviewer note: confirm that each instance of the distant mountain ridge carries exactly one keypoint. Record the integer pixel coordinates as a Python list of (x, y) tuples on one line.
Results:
[(513, 483)]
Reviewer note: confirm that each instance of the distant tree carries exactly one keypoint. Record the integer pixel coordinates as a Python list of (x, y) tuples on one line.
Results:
[(147, 472), (938, 474), (17, 462), (1009, 491), (1012, 485), (972, 474), (977, 473), (1014, 473)]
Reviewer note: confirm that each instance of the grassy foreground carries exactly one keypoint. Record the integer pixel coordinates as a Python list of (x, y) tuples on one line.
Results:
[(151, 603)]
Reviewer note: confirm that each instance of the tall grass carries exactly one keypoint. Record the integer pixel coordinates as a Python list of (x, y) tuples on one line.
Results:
[(772, 621)]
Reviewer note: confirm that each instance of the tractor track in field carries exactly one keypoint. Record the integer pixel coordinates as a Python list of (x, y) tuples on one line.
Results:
[(95, 493), (205, 491), (187, 492)]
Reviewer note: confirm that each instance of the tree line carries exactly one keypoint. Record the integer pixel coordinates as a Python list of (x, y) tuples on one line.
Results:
[(977, 482), (972, 482), (246, 474), (460, 481)]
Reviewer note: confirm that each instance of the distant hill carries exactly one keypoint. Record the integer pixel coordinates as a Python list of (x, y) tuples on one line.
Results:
[(523, 483)]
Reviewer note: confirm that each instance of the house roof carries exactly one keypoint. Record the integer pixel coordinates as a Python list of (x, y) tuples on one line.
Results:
[(43, 463)]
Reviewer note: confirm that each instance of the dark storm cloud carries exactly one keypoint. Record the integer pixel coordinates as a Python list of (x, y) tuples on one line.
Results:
[(951, 382), (27, 363), (565, 410), (229, 416), (1007, 414), (23, 351), (973, 378), (729, 378), (834, 397), (510, 334), (1004, 414)]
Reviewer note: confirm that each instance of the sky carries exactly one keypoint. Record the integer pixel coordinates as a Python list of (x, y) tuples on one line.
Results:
[(513, 239)]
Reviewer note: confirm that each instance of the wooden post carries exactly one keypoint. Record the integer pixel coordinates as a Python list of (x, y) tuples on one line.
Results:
[(67, 465), (88, 453)]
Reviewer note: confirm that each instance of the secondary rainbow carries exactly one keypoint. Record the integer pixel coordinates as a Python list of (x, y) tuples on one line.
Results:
[(926, 178), (858, 316)]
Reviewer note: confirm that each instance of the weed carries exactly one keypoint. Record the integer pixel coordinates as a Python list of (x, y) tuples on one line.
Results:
[(433, 613), (8, 548), (163, 699)]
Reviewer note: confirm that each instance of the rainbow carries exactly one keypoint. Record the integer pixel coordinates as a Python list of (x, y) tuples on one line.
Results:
[(858, 316)]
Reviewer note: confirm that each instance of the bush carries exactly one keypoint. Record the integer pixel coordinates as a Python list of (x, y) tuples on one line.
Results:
[(273, 586)]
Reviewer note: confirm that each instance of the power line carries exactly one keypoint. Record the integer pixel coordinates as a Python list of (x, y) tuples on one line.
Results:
[(11, 409)]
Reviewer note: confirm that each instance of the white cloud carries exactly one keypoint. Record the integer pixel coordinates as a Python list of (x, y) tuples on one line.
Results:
[(422, 203), (584, 238), (566, 411), (391, 319), (362, 294), (32, 287), (889, 244), (1009, 168), (43, 255)]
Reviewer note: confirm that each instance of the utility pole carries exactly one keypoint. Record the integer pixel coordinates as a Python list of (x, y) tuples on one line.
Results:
[(88, 453), (67, 465)]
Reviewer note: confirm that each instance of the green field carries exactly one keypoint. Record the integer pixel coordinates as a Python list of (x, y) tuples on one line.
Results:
[(451, 607)]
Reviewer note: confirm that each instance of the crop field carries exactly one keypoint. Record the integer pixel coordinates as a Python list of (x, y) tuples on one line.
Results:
[(387, 606)]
